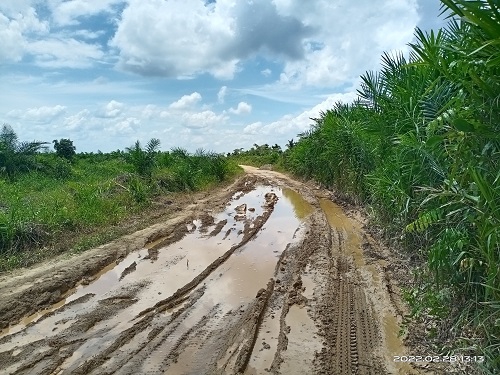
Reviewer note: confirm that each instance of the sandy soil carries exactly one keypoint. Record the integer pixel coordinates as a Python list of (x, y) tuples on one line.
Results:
[(268, 275)]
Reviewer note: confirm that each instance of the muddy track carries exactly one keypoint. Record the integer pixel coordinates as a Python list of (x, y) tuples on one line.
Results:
[(267, 276)]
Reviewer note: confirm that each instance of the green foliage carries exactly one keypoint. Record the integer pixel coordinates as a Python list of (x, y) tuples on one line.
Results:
[(95, 190), (335, 151), (143, 161), (16, 157), (192, 172), (258, 155), (64, 148), (424, 221)]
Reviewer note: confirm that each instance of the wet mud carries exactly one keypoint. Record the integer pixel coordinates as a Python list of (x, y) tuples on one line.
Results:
[(266, 277)]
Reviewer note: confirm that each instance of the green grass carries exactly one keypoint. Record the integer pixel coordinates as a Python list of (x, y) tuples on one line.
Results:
[(61, 199)]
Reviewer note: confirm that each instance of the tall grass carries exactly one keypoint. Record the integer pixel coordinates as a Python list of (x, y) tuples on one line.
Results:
[(39, 207)]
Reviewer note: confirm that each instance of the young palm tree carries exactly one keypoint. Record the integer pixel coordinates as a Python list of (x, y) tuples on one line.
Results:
[(15, 156), (143, 160)]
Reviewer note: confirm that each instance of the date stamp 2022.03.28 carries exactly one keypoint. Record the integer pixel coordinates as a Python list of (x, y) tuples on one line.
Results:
[(439, 358)]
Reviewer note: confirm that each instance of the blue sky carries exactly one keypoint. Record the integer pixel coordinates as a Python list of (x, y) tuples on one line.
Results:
[(217, 75)]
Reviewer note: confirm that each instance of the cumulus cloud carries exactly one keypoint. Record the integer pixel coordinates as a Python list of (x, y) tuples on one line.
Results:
[(187, 101), (266, 31), (320, 43), (66, 13), (266, 72), (13, 7), (188, 37), (349, 38), (253, 128), (38, 114), (149, 111), (77, 120), (125, 126), (203, 119), (291, 125), (22, 32), (14, 28), (242, 108), (221, 95), (112, 109), (173, 38)]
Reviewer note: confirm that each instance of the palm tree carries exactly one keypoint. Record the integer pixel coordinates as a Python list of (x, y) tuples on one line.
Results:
[(15, 156), (143, 160)]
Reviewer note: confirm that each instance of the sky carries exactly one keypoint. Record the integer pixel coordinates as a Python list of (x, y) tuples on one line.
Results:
[(216, 75)]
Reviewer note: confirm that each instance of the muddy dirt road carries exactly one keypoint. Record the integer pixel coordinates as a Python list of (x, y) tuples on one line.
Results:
[(267, 276)]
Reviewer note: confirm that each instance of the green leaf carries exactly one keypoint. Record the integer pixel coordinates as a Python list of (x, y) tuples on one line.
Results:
[(463, 125)]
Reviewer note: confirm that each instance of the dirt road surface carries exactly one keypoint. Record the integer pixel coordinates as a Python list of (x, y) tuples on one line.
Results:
[(267, 276)]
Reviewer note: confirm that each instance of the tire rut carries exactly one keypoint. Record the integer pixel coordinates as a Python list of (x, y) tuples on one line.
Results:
[(267, 281)]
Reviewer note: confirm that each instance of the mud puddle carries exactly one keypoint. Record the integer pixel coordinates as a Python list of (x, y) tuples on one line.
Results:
[(271, 279), (144, 279)]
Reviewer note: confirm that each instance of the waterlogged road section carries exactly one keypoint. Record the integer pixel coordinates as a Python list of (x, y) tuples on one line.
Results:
[(270, 279)]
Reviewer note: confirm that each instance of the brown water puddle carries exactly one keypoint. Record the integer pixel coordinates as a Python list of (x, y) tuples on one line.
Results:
[(231, 287), (265, 346), (235, 283), (301, 207), (302, 341), (338, 220)]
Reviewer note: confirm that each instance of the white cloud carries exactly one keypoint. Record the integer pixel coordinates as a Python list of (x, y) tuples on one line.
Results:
[(253, 128), (65, 13), (203, 119), (38, 114), (87, 34), (64, 53), (350, 37), (14, 30), (149, 111), (173, 38), (125, 126), (242, 108), (77, 121), (188, 37), (266, 72), (12, 8), (221, 95), (112, 109), (290, 125), (322, 43), (187, 101)]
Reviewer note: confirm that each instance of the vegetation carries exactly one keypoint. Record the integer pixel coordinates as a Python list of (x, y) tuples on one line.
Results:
[(45, 197), (16, 157), (257, 155), (64, 148), (421, 147)]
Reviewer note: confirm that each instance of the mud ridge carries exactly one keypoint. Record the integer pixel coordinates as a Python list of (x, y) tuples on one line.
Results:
[(259, 310)]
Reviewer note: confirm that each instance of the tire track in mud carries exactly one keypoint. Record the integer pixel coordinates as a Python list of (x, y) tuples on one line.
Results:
[(270, 285), (348, 324)]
